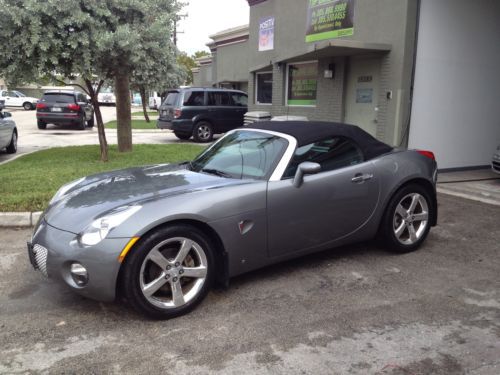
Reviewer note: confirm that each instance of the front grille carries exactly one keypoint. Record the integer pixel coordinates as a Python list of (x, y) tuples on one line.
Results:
[(40, 253)]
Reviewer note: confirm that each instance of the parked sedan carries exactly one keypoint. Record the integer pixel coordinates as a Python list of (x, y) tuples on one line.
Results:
[(162, 235), (8, 131), (495, 160)]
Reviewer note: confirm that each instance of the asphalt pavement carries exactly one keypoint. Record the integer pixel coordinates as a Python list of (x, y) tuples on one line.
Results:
[(353, 310)]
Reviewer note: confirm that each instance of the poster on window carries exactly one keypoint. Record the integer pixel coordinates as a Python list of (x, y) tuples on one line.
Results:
[(302, 83), (329, 19), (266, 34)]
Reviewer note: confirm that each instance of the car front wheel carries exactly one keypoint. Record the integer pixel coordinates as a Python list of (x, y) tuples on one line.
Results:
[(407, 220), (169, 272)]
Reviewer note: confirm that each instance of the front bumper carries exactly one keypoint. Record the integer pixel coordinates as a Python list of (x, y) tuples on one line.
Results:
[(53, 251)]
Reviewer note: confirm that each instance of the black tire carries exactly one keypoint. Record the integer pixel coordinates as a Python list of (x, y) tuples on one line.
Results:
[(183, 136), (41, 125), (12, 147), (28, 106), (203, 132), (81, 123), (90, 123), (399, 221), (139, 271)]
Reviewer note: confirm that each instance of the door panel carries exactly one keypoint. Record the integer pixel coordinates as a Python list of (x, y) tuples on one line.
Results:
[(362, 93), (328, 206), (4, 133)]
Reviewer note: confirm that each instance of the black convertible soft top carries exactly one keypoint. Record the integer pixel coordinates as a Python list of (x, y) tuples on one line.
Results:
[(307, 132)]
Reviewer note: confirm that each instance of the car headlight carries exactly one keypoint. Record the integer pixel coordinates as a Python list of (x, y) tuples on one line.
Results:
[(64, 189), (99, 228)]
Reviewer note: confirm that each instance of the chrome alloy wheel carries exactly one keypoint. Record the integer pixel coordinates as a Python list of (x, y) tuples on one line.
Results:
[(173, 272), (204, 132), (411, 218)]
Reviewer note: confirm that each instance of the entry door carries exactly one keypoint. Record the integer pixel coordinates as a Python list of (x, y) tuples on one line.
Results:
[(362, 93), (328, 206)]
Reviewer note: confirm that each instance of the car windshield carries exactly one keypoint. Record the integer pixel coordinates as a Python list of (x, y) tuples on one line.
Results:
[(243, 155)]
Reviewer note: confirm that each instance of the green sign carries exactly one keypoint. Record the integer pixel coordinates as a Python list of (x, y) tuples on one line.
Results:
[(328, 19), (302, 83)]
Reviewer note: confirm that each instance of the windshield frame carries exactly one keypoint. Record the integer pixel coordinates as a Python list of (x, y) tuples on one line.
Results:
[(280, 166)]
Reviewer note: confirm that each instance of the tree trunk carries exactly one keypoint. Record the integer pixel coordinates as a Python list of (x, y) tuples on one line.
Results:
[(103, 144), (123, 115), (142, 90)]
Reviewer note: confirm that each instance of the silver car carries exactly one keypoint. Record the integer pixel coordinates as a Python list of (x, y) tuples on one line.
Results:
[(162, 235), (8, 131), (495, 160)]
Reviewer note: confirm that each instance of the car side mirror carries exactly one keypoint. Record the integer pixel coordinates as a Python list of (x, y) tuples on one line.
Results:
[(303, 169)]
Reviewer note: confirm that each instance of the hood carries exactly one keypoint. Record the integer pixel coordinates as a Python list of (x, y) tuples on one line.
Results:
[(96, 195)]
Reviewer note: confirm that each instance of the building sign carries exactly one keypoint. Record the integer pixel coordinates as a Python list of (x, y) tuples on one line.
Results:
[(328, 19), (302, 83), (364, 95), (266, 34)]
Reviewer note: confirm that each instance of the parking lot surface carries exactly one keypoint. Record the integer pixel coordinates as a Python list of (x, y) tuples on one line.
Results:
[(353, 310), (32, 139)]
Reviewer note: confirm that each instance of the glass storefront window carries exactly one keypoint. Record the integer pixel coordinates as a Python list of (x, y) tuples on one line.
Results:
[(264, 89), (302, 82)]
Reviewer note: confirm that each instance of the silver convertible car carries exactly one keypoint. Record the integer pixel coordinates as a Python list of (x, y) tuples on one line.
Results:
[(162, 235)]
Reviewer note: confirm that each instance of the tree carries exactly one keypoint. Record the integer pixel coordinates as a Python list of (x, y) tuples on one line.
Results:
[(92, 40), (189, 62), (158, 73)]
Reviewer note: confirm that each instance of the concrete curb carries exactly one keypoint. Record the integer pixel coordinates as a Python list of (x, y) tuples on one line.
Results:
[(19, 219)]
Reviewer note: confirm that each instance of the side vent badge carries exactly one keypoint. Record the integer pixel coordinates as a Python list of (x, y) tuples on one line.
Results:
[(245, 226)]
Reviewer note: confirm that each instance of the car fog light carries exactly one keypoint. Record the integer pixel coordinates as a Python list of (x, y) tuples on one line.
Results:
[(79, 274)]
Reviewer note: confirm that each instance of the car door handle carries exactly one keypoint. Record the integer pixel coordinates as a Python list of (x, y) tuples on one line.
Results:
[(361, 177)]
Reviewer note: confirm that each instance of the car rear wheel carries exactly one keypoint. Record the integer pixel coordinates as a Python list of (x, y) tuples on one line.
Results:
[(407, 221), (203, 132), (81, 123), (12, 147), (169, 272), (90, 123), (183, 136), (28, 106), (41, 125)]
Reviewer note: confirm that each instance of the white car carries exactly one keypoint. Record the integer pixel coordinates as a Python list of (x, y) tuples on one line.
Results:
[(18, 99), (106, 96), (154, 101)]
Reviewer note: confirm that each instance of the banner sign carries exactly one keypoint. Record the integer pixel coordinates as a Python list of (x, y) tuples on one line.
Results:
[(266, 34), (328, 19), (302, 83)]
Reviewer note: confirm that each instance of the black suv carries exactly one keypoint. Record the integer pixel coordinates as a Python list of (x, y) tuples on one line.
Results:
[(64, 108), (202, 112)]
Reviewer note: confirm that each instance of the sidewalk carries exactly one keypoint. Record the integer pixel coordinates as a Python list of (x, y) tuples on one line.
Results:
[(481, 185)]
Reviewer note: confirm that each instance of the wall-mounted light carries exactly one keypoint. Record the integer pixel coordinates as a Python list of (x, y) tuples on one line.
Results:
[(330, 72)]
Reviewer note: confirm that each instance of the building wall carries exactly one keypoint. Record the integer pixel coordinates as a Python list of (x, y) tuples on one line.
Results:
[(205, 76), (455, 109), (232, 62), (382, 21), (3, 86)]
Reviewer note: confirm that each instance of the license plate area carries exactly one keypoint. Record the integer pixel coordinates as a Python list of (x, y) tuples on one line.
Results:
[(56, 109)]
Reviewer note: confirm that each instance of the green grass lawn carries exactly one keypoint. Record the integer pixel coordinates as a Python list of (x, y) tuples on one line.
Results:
[(136, 124), (150, 113), (29, 182)]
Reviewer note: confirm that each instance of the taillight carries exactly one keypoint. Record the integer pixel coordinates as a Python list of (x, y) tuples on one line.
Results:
[(428, 154), (40, 105), (73, 107), (177, 113)]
